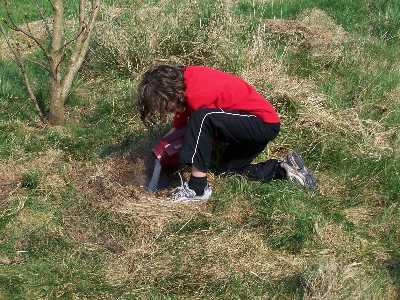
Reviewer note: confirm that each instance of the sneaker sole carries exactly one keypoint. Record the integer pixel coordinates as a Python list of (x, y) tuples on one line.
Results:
[(191, 200), (296, 162)]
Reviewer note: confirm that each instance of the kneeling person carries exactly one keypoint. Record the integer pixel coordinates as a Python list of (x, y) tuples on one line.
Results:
[(215, 105)]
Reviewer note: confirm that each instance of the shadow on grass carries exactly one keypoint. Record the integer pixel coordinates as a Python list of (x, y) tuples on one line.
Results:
[(393, 267), (137, 149)]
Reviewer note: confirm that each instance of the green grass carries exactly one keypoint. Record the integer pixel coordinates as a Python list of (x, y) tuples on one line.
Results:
[(23, 11), (59, 220)]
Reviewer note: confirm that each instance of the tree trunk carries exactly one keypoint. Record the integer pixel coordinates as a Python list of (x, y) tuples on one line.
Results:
[(56, 114)]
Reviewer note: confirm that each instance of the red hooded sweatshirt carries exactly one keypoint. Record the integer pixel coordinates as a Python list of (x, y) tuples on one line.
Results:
[(206, 87)]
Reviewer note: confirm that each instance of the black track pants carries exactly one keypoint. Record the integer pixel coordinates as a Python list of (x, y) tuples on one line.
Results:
[(244, 135)]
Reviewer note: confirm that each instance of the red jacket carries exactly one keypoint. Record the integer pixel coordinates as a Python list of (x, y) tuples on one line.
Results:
[(210, 88)]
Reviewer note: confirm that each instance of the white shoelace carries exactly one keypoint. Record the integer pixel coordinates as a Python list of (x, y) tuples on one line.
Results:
[(183, 190)]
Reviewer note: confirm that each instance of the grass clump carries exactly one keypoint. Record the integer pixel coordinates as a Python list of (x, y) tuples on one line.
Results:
[(30, 180)]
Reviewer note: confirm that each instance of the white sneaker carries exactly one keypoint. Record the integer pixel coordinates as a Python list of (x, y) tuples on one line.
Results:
[(297, 172), (185, 194)]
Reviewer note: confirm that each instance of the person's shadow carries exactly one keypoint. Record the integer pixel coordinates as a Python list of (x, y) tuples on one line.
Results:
[(137, 150)]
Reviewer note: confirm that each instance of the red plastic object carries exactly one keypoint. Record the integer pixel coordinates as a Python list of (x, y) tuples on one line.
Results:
[(167, 150)]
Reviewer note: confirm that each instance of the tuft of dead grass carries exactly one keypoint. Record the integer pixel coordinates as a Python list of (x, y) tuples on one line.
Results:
[(151, 34), (13, 196), (246, 252), (315, 30), (44, 163), (335, 238), (332, 279), (221, 256), (359, 215)]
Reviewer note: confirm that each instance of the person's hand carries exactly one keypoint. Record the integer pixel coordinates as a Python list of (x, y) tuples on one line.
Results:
[(169, 132)]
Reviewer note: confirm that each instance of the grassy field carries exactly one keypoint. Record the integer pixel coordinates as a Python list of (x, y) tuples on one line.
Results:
[(75, 222)]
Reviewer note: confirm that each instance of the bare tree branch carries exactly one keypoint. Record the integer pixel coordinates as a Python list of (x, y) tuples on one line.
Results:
[(44, 20), (82, 14), (16, 51), (28, 27), (74, 38), (11, 24), (51, 3), (82, 25), (82, 45), (10, 46), (41, 64)]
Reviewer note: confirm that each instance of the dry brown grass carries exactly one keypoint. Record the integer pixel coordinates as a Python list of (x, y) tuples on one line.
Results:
[(13, 196), (237, 211), (134, 43), (44, 163), (334, 237), (204, 256), (335, 280), (329, 185), (313, 30), (359, 215)]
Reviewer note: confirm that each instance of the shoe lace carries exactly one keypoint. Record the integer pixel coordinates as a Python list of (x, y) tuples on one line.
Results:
[(183, 190)]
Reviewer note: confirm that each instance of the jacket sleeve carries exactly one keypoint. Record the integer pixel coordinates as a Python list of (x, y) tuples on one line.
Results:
[(180, 119)]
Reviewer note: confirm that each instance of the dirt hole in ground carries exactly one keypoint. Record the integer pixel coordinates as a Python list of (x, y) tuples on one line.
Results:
[(136, 170)]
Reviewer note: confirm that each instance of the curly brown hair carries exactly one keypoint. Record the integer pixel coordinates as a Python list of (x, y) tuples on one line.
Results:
[(161, 91)]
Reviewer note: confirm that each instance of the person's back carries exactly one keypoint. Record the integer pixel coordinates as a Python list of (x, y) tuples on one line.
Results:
[(206, 87)]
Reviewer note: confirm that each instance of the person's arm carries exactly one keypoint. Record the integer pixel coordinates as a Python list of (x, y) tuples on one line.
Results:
[(179, 121), (169, 132)]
